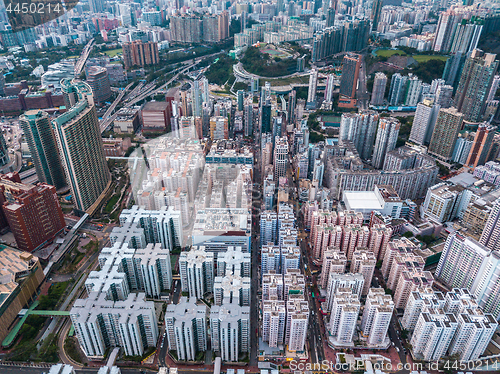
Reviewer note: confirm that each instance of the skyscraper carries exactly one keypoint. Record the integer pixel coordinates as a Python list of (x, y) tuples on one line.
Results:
[(387, 136), (461, 261), (378, 91), (423, 122), (197, 98), (313, 86), (98, 79), (446, 29), (482, 145), (491, 233), (397, 90), (448, 124), (43, 147), (443, 96), (80, 145), (96, 6), (141, 54), (265, 118), (33, 213), (349, 79), (4, 151), (329, 88), (377, 316), (376, 11), (280, 157), (467, 35), (413, 91), (475, 83)]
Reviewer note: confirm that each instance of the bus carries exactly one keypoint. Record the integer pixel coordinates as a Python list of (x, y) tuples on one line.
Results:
[(312, 293)]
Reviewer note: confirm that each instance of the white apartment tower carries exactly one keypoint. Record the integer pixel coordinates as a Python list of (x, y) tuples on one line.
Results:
[(186, 328), (273, 322), (334, 261), (230, 331), (196, 271), (419, 301), (433, 333), (377, 316), (363, 262), (387, 136), (297, 320), (354, 282), (344, 316), (280, 157), (461, 261)]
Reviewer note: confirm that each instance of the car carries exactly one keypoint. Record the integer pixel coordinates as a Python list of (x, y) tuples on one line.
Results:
[(397, 349)]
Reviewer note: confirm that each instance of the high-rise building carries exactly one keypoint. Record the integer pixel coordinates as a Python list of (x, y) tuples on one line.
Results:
[(350, 281), (461, 261), (4, 152), (138, 53), (444, 96), (230, 331), (494, 87), (42, 144), (98, 79), (377, 316), (475, 83), (360, 128), (379, 85), (80, 145), (433, 333), (418, 301), (219, 128), (448, 124), (490, 236), (408, 282), (413, 91), (376, 11), (349, 79), (265, 118), (334, 261), (486, 286), (273, 322), (280, 157), (344, 316), (32, 212), (424, 122), (196, 269), (363, 262), (467, 35), (101, 324), (397, 90), (186, 328), (313, 86), (96, 6), (297, 321), (483, 140), (387, 136), (446, 29), (329, 88)]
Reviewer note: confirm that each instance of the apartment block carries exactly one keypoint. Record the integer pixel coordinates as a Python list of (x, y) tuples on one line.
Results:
[(233, 261), (230, 331), (196, 269), (354, 282), (297, 321), (344, 316), (395, 247), (186, 328), (419, 301), (363, 262), (234, 288), (408, 282), (101, 324), (403, 262), (273, 322), (272, 286), (334, 261), (377, 316)]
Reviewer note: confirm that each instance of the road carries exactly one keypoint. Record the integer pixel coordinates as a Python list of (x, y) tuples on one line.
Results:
[(83, 57), (107, 118)]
